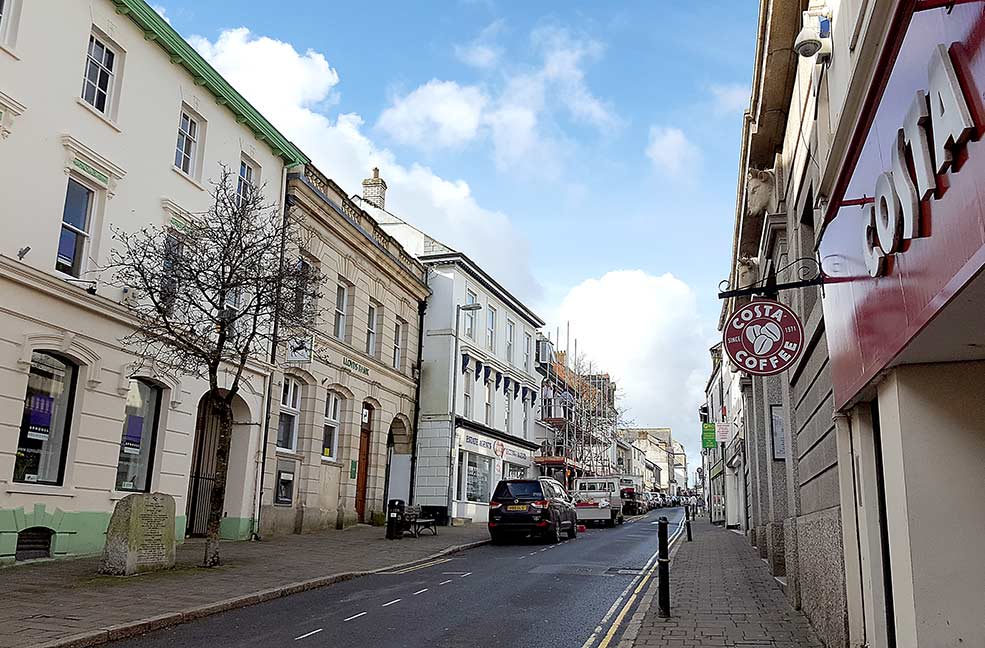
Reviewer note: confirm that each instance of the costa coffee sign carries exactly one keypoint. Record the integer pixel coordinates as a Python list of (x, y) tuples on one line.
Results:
[(936, 122), (764, 337)]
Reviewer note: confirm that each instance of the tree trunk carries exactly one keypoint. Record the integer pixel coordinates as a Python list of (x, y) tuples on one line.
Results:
[(222, 409)]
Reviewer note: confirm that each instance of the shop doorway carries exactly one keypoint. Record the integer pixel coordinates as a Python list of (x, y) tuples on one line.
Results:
[(362, 472)]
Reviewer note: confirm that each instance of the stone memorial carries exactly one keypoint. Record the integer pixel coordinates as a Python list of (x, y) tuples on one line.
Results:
[(140, 537)]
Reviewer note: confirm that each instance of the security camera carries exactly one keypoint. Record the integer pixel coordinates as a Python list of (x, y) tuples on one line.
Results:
[(814, 37)]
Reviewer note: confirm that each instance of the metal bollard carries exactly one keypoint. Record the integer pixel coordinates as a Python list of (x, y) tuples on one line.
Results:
[(663, 568), (687, 522)]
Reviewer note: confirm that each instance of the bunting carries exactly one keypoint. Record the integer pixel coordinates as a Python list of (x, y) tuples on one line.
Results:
[(465, 362), (506, 386), (516, 389), (499, 379), (478, 369), (526, 392), (488, 371)]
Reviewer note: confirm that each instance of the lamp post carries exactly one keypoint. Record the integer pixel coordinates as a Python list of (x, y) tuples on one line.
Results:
[(454, 402)]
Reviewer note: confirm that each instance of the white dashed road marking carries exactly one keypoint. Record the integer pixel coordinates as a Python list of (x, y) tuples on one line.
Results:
[(308, 634), (420, 591), (391, 602), (445, 582), (355, 616), (465, 574)]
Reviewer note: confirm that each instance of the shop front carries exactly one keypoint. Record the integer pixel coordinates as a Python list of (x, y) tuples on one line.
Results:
[(483, 458), (904, 306)]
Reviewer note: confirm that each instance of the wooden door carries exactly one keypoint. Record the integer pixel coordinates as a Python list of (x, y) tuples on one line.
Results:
[(362, 474)]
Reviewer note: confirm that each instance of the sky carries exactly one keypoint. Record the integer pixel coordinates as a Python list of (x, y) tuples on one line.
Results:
[(584, 153)]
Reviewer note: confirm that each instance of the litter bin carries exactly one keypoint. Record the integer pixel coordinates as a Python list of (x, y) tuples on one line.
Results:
[(395, 519)]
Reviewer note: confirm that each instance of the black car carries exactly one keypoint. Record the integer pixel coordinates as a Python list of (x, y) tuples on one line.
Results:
[(538, 507)]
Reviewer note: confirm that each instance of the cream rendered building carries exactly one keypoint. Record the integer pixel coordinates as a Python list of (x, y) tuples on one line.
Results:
[(345, 414), (108, 119)]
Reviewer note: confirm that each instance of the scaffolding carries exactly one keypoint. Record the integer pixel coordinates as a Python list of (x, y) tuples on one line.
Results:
[(581, 417)]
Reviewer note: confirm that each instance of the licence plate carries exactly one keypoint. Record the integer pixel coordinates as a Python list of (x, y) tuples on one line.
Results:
[(516, 507)]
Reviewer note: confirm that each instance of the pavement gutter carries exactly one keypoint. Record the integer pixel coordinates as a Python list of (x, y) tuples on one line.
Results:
[(143, 626)]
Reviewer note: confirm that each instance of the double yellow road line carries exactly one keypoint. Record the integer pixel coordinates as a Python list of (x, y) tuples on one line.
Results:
[(431, 563)]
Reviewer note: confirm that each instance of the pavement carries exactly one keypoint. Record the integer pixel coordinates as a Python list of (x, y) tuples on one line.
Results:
[(722, 594), (524, 593), (65, 603)]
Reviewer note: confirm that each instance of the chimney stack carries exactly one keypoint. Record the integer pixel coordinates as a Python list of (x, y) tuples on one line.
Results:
[(374, 189)]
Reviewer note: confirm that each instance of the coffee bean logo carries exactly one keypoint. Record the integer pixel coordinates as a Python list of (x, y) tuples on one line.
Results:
[(763, 337)]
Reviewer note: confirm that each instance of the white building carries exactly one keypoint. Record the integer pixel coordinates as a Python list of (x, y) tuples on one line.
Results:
[(107, 119), (492, 382)]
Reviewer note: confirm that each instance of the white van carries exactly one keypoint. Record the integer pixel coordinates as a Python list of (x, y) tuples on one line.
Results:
[(597, 500)]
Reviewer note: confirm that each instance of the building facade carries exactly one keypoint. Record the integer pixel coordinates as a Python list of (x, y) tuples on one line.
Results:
[(864, 159), (345, 412), (97, 146)]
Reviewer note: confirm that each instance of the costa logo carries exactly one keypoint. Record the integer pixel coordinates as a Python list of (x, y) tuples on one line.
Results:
[(764, 337)]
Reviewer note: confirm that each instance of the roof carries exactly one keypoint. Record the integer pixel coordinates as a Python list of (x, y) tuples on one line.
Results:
[(157, 29)]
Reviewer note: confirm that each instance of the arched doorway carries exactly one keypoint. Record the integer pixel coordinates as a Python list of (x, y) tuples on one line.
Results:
[(362, 473), (399, 446), (201, 476)]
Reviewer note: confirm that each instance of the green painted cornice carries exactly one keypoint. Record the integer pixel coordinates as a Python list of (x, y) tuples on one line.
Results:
[(158, 30)]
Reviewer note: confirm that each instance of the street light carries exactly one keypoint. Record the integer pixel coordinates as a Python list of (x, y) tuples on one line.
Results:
[(454, 401)]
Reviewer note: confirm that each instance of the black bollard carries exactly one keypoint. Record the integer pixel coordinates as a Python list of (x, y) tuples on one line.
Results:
[(663, 568), (687, 521)]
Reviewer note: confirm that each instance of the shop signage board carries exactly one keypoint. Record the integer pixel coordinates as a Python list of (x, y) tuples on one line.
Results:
[(764, 337), (723, 431), (906, 236), (708, 439)]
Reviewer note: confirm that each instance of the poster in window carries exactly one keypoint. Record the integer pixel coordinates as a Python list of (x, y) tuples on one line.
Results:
[(40, 408), (131, 434), (777, 428)]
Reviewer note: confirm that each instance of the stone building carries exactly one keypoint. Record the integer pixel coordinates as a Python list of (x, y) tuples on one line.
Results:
[(91, 147), (846, 450), (345, 413)]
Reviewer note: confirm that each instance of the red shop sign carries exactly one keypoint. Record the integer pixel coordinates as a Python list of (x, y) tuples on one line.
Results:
[(764, 337)]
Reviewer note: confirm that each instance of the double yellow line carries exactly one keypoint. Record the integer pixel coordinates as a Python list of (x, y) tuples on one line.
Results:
[(406, 570)]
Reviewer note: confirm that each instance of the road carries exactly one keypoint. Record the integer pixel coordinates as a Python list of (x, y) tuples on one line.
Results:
[(524, 594)]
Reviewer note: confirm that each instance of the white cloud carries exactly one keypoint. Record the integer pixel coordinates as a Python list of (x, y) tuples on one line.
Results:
[(478, 55), (291, 89), (162, 12), (438, 114), (730, 97), (671, 151), (646, 332)]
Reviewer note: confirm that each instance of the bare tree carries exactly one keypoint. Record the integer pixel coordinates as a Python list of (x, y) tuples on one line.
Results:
[(214, 295)]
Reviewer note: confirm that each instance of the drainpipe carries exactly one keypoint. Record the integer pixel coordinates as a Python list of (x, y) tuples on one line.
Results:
[(422, 307)]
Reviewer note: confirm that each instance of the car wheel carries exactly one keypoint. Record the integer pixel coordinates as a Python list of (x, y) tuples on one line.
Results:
[(620, 519), (554, 534), (611, 522), (573, 531)]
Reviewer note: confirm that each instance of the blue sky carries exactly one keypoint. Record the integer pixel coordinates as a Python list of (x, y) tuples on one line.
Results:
[(581, 151)]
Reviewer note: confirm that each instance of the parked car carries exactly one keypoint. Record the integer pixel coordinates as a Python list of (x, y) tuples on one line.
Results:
[(597, 499), (536, 507), (632, 502)]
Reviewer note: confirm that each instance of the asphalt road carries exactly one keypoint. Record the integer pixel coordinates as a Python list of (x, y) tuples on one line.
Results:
[(525, 594)]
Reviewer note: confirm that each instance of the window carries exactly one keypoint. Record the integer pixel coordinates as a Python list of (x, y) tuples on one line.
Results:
[(187, 146), (398, 336), (246, 183), (467, 400), (341, 305), (491, 329), (330, 438), (510, 337), (97, 84), (290, 412), (299, 300), (527, 344), (174, 249), (490, 392), (526, 419), (139, 431), (470, 298), (285, 487), (371, 322), (76, 217), (507, 407), (474, 477), (47, 418)]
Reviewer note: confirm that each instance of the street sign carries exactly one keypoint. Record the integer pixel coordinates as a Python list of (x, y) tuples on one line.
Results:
[(708, 435), (723, 431), (764, 337)]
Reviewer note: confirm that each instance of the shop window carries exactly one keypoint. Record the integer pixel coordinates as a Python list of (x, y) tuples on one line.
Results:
[(475, 477), (285, 488), (34, 543), (46, 422), (143, 406), (76, 221), (290, 412), (330, 438)]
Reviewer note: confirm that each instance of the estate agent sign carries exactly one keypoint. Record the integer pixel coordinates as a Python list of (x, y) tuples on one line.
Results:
[(764, 337)]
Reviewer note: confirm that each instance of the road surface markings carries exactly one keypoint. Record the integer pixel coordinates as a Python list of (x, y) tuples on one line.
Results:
[(419, 592), (431, 563), (313, 632), (355, 616), (452, 573), (445, 582), (465, 574), (391, 602)]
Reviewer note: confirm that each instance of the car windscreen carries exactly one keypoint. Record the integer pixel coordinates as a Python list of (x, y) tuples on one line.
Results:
[(519, 489)]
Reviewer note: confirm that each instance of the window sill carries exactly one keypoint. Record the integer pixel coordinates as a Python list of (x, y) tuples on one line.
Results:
[(187, 178), (116, 495), (331, 461), (285, 504), (8, 50), (109, 122), (21, 488), (289, 453)]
